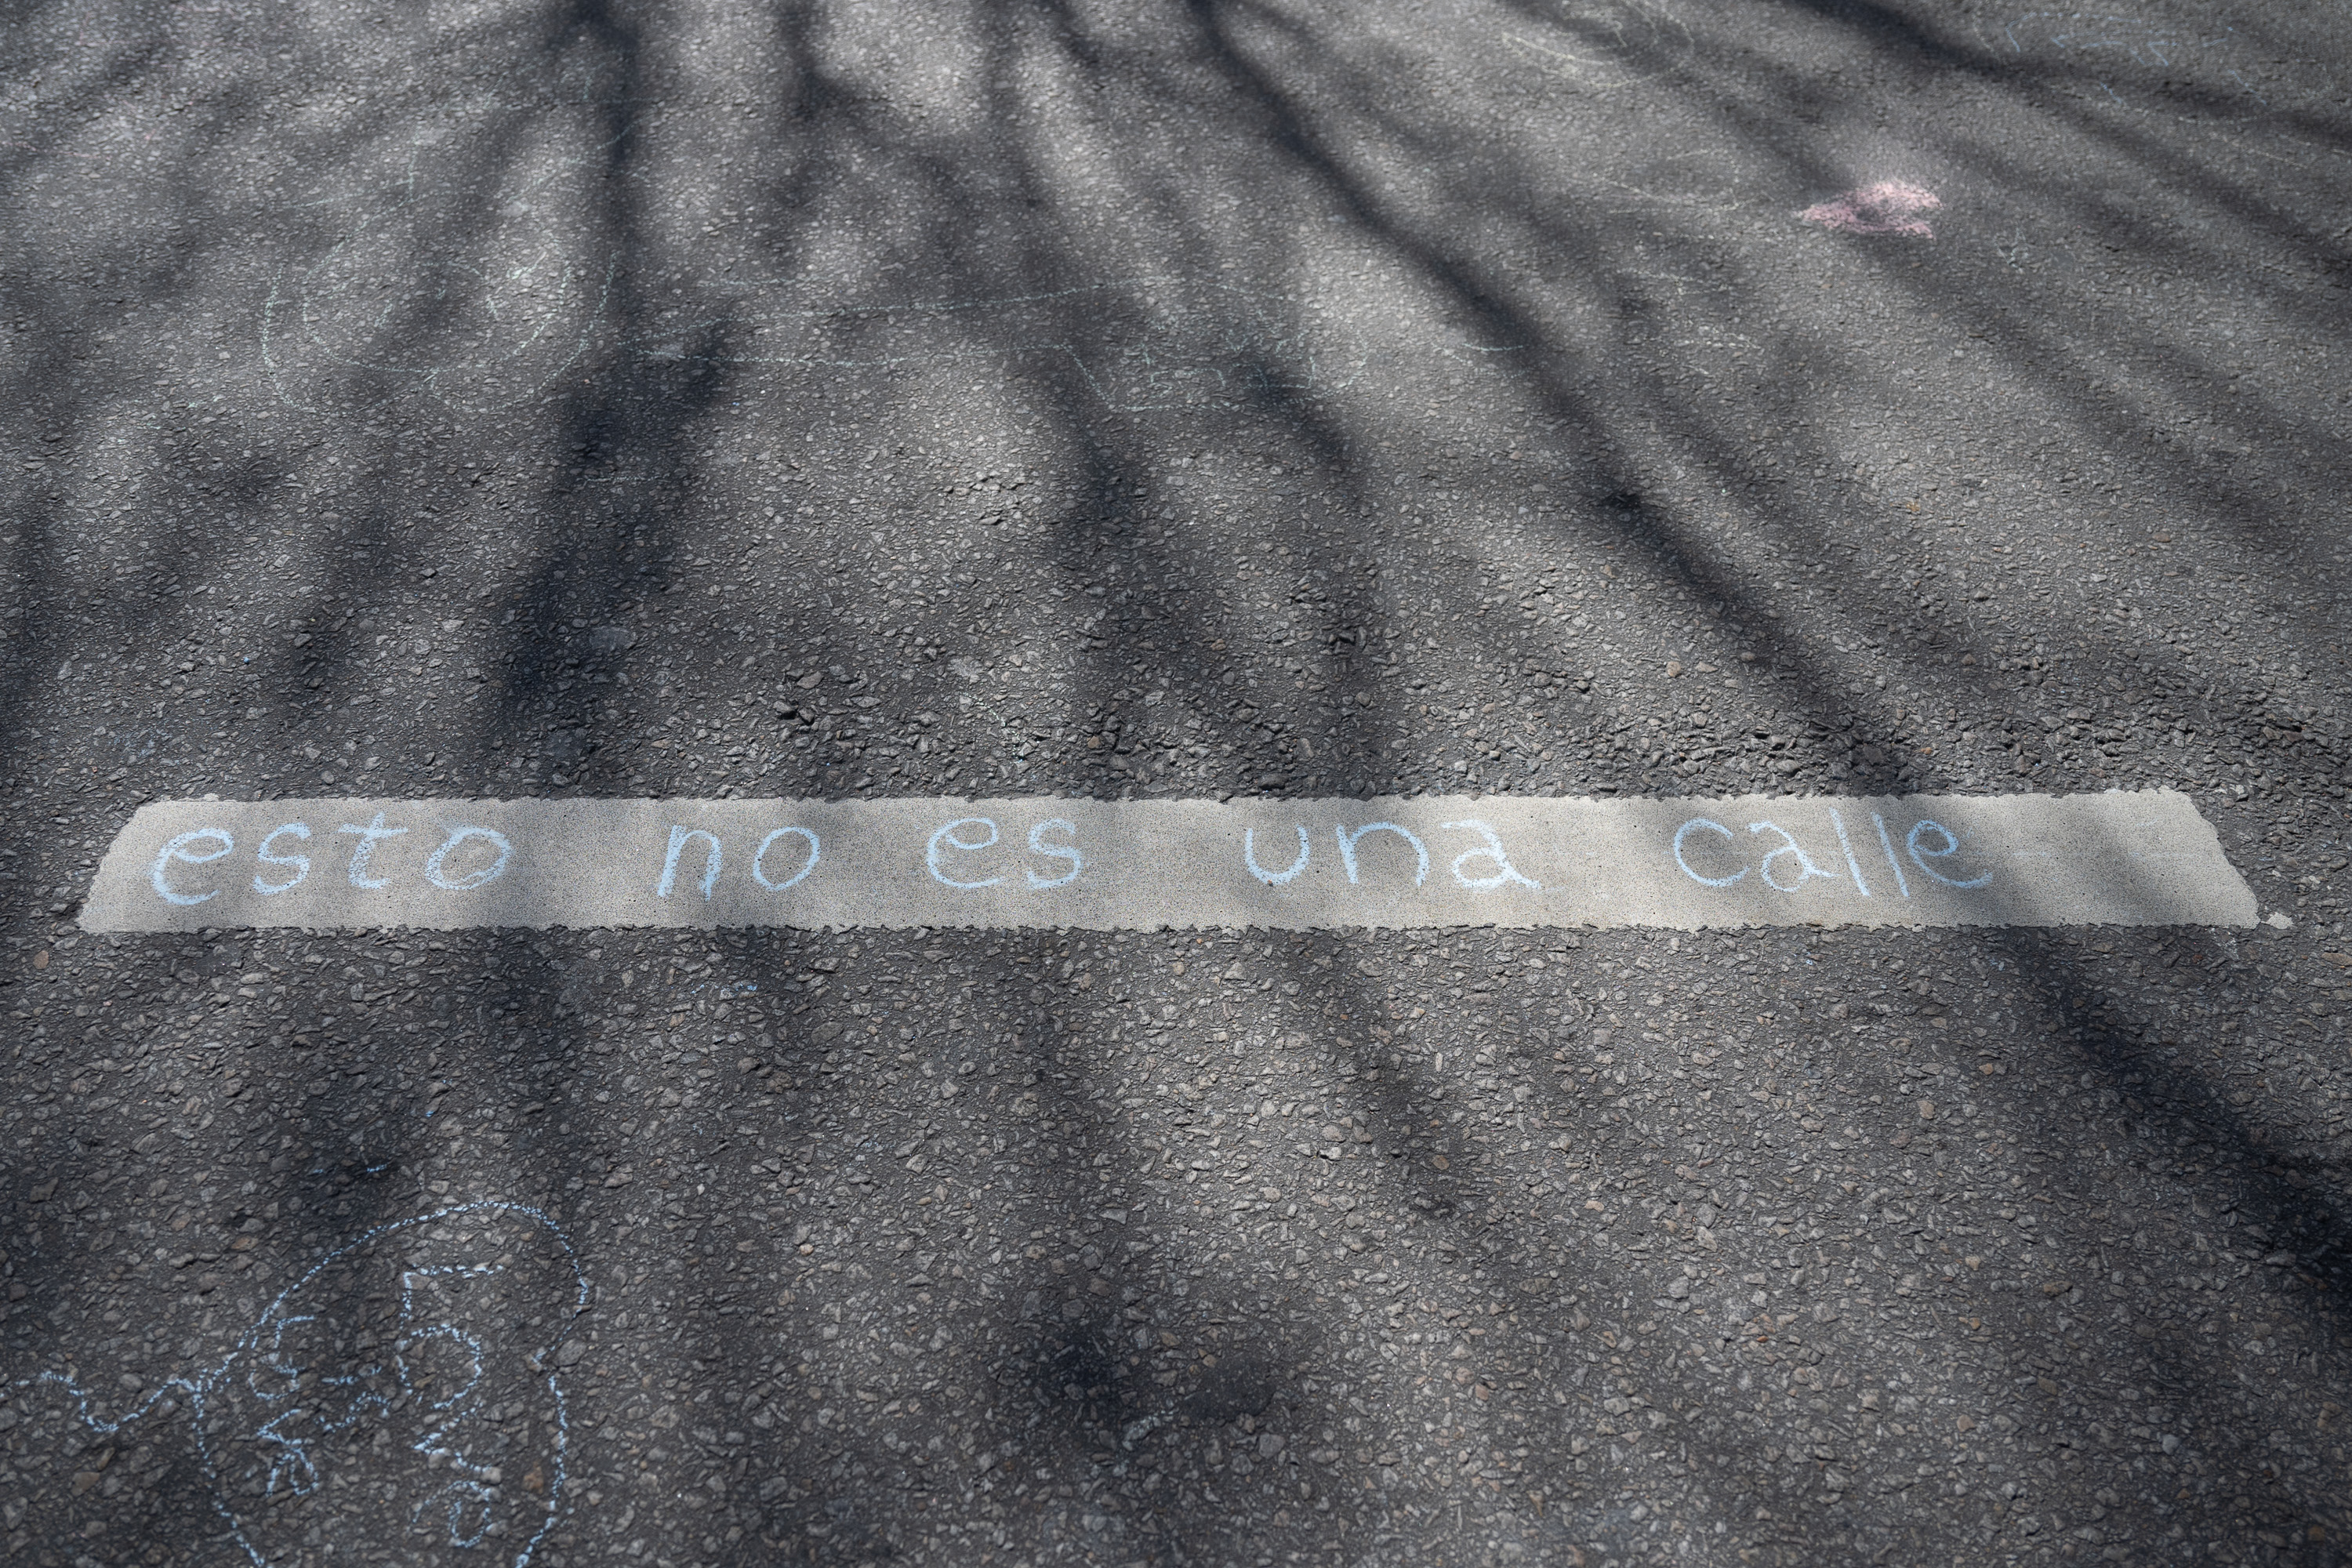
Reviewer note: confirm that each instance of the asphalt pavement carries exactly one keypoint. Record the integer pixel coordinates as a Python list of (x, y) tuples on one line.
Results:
[(1214, 403)]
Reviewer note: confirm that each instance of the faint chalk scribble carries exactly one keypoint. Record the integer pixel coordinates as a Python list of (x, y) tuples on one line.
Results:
[(404, 1393)]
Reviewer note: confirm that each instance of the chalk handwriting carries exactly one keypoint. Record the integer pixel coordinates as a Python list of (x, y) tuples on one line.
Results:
[(760, 855), (1347, 842), (1494, 852), (1491, 851), (177, 849), (1693, 872), (1853, 866), (1037, 845), (680, 840), (437, 865), (181, 865), (360, 854), (955, 856), (1806, 869), (946, 838), (1800, 866), (947, 853), (1951, 847), (439, 868), (301, 863), (1274, 879), (1887, 845)]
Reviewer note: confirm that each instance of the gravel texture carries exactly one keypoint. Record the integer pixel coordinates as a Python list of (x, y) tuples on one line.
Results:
[(1152, 402)]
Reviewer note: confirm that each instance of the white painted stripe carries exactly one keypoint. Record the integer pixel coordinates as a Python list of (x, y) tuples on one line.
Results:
[(2138, 859)]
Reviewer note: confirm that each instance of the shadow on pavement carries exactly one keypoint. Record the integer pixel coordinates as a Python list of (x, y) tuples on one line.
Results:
[(1200, 398)]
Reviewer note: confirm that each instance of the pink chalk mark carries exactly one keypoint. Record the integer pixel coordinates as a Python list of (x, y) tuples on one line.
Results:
[(1889, 207)]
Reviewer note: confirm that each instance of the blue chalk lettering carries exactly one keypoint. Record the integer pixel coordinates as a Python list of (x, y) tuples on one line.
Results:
[(1789, 846), (1277, 878), (680, 838), (1493, 851), (947, 836), (435, 862), (301, 863), (1688, 870), (1348, 847), (367, 835), (760, 854), (1846, 844), (1951, 847), (177, 849), (1037, 845), (1902, 883)]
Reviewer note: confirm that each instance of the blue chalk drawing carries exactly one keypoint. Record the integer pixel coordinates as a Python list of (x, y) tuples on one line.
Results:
[(309, 1389)]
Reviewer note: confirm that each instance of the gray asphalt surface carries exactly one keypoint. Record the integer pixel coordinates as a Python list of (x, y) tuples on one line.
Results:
[(1173, 401)]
